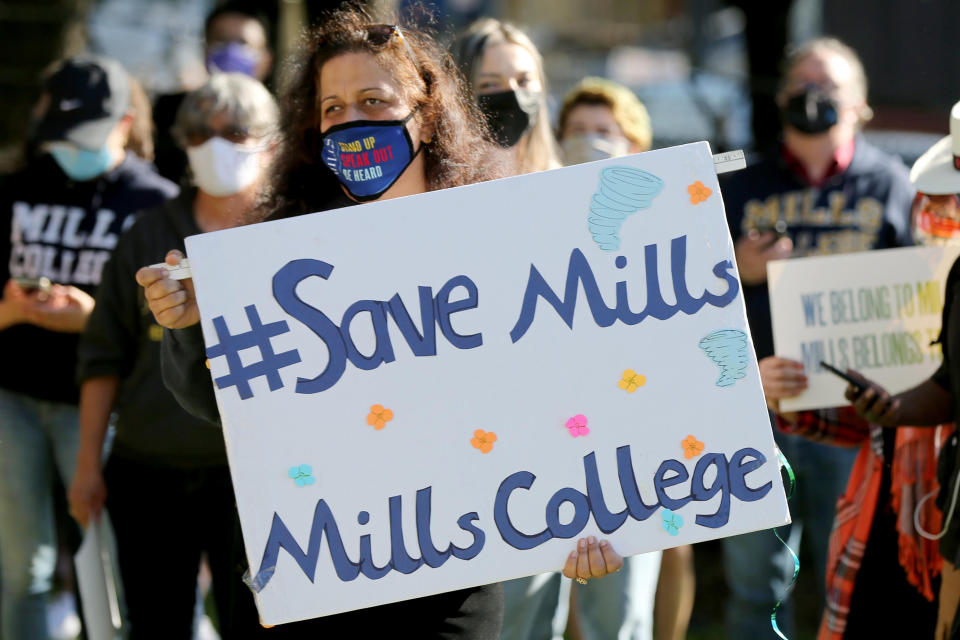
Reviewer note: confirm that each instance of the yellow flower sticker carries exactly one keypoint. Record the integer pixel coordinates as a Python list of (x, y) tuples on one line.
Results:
[(631, 381), (691, 447), (379, 416), (699, 192), (483, 440)]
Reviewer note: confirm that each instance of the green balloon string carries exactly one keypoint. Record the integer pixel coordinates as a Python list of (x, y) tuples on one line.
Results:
[(796, 561)]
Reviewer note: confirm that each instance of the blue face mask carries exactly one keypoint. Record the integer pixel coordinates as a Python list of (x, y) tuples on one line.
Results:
[(232, 57), (368, 156), (81, 165)]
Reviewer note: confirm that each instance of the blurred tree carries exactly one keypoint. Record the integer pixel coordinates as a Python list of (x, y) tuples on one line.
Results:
[(33, 33)]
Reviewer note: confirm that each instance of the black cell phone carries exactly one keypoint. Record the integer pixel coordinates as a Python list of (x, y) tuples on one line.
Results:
[(861, 387)]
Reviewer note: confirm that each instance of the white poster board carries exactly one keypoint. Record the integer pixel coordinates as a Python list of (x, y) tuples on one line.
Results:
[(876, 312), (401, 336)]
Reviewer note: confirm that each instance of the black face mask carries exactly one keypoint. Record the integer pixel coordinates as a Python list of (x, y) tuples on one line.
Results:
[(510, 114), (811, 112)]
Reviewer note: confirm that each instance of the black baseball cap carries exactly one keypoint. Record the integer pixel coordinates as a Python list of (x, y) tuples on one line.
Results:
[(88, 96)]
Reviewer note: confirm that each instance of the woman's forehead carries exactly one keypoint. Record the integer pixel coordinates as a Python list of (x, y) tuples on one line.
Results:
[(506, 59), (354, 71)]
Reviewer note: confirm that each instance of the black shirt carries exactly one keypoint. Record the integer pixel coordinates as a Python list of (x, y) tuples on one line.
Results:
[(63, 230), (122, 339), (948, 377)]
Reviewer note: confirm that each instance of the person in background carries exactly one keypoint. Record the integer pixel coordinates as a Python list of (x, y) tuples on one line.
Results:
[(892, 527), (505, 74), (600, 119), (236, 41), (60, 218), (164, 460), (653, 595), (825, 190)]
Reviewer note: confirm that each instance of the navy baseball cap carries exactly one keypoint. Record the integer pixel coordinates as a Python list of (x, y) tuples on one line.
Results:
[(88, 96)]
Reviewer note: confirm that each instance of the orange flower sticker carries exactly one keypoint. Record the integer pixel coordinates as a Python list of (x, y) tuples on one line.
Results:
[(379, 416), (699, 192), (483, 440), (631, 381), (691, 447)]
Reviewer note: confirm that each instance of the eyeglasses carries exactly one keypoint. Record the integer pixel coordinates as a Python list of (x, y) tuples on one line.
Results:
[(380, 34), (234, 134)]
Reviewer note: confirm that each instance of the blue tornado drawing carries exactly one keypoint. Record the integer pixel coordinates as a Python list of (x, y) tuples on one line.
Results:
[(623, 191), (728, 349)]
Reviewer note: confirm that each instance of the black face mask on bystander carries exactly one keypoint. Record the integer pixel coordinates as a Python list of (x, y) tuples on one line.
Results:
[(811, 111), (510, 114)]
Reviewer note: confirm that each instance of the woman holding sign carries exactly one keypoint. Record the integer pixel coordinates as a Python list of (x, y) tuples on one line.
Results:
[(373, 112)]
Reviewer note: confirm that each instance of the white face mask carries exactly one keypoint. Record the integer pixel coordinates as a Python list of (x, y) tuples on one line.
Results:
[(591, 146), (222, 168)]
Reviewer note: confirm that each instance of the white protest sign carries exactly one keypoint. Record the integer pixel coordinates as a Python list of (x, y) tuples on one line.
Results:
[(876, 312), (446, 390)]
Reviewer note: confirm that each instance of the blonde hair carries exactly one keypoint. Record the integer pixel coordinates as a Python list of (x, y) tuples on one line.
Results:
[(140, 140), (627, 109), (540, 150)]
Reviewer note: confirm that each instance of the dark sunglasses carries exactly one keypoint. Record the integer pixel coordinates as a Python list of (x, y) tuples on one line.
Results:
[(380, 34), (198, 136)]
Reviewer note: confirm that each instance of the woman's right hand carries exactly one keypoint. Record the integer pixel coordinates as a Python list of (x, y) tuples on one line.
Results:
[(15, 305), (172, 302), (873, 403), (87, 494)]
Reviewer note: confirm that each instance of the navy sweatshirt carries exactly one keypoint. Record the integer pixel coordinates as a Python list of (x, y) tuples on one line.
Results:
[(865, 207)]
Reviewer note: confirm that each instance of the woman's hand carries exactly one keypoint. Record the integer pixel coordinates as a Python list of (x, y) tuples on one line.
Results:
[(13, 305), (873, 404), (64, 309), (87, 494), (781, 378), (592, 559), (754, 250), (172, 302), (949, 597)]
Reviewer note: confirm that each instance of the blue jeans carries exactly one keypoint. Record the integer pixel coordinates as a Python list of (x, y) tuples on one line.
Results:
[(758, 567), (36, 437), (618, 606)]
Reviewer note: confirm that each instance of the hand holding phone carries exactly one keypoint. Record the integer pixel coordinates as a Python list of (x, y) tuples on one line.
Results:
[(869, 400), (860, 385), (30, 285)]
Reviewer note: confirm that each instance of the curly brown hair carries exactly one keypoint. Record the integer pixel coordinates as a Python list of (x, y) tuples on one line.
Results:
[(458, 153)]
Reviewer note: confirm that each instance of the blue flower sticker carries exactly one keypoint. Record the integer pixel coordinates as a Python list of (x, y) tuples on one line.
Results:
[(302, 475), (671, 522)]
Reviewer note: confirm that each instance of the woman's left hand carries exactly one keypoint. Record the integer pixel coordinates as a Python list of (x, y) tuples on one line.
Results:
[(64, 309), (592, 559)]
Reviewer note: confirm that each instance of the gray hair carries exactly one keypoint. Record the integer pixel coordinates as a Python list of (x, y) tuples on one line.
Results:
[(245, 100)]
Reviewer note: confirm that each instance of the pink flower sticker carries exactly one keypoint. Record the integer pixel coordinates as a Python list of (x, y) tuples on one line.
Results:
[(578, 425)]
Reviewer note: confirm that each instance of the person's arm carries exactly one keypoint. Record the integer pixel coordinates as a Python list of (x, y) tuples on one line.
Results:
[(183, 363), (840, 427), (926, 405), (13, 305), (65, 309), (88, 491)]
